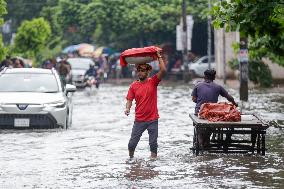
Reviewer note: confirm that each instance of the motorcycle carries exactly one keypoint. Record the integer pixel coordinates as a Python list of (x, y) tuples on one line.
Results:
[(91, 84)]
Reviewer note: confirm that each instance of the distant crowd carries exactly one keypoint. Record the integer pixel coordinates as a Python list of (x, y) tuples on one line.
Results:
[(15, 62)]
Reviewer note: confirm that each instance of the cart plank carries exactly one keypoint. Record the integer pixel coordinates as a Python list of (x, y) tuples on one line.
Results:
[(247, 121)]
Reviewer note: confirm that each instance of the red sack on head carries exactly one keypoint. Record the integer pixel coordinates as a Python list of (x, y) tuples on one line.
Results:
[(219, 112), (139, 55)]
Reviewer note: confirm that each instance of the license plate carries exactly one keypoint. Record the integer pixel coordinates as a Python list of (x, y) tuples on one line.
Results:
[(22, 122)]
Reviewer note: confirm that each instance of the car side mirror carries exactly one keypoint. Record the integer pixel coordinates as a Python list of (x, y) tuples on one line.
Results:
[(70, 88)]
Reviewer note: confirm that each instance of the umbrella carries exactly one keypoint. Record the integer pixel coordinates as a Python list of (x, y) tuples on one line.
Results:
[(70, 49), (103, 50), (114, 56), (86, 49)]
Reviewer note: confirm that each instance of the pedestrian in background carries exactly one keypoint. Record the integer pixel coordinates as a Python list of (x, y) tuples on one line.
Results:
[(6, 63), (144, 91), (18, 63), (64, 70)]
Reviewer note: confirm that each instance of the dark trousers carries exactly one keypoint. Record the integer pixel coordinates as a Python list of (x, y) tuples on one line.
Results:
[(137, 131)]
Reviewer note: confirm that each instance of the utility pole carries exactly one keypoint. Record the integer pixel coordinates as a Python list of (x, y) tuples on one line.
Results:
[(243, 65), (186, 76), (224, 56), (209, 36)]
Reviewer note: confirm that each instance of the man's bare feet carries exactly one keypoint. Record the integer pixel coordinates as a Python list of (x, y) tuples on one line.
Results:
[(131, 154)]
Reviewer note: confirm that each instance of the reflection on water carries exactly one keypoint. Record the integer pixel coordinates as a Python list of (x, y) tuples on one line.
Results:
[(93, 153), (140, 170)]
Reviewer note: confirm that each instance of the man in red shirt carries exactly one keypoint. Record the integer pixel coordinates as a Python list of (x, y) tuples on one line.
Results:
[(144, 91)]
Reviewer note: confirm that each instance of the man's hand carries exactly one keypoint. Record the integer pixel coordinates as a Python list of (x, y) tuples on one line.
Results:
[(127, 111), (127, 107), (159, 54)]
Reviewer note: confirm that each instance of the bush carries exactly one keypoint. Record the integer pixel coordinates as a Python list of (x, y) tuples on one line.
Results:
[(260, 73), (234, 64)]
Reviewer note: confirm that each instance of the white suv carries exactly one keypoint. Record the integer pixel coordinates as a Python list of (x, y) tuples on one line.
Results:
[(34, 98), (197, 68)]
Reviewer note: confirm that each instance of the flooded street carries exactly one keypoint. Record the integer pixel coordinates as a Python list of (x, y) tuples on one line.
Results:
[(93, 152)]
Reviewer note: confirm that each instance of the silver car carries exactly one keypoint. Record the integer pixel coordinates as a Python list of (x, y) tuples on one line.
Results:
[(34, 98), (197, 68), (79, 66)]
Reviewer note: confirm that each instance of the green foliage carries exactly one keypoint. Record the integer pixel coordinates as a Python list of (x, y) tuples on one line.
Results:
[(51, 14), (117, 23), (20, 10), (261, 20), (260, 73), (135, 23), (32, 37), (2, 13), (199, 8), (69, 19), (3, 50), (234, 64)]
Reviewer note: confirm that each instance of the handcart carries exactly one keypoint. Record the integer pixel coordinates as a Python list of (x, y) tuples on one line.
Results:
[(246, 136)]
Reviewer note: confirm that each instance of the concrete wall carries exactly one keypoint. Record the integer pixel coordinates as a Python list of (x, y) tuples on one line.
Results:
[(231, 37), (221, 48), (276, 70)]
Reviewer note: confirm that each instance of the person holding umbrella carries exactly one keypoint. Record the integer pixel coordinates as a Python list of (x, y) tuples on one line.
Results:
[(144, 91)]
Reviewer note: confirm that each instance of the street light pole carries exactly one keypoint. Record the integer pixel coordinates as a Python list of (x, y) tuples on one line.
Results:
[(209, 36), (184, 41), (224, 56)]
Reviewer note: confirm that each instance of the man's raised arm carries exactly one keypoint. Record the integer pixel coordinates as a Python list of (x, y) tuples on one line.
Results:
[(162, 65)]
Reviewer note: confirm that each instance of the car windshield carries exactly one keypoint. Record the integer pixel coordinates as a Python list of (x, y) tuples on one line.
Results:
[(28, 82), (203, 59), (196, 59), (80, 63)]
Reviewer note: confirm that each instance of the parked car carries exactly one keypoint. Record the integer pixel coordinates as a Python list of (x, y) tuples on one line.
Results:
[(79, 66), (197, 68), (34, 98)]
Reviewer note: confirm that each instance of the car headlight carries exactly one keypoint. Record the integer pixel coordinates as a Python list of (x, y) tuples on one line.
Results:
[(59, 104)]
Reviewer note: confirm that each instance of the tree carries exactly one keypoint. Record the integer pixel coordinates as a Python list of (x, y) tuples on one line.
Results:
[(51, 14), (261, 20), (135, 23), (20, 10), (2, 13), (69, 16), (32, 37)]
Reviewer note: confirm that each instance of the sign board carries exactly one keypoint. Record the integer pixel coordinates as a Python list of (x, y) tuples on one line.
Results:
[(243, 55), (179, 44), (180, 34)]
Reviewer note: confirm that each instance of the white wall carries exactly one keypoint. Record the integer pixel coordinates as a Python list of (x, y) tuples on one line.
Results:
[(230, 38), (276, 70)]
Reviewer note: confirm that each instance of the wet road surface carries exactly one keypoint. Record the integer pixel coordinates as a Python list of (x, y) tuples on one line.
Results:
[(93, 152)]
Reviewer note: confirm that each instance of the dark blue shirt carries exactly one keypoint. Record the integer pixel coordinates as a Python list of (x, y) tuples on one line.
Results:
[(91, 72), (207, 91)]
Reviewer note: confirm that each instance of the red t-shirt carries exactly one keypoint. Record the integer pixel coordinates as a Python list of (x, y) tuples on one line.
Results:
[(145, 95)]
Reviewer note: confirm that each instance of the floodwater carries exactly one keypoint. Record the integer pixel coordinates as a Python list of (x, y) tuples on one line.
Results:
[(93, 152)]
